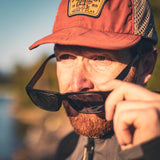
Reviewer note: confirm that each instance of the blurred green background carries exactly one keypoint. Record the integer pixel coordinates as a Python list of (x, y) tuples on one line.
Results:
[(154, 83), (36, 133)]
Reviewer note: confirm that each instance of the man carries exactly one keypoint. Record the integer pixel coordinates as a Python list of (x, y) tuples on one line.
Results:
[(101, 47)]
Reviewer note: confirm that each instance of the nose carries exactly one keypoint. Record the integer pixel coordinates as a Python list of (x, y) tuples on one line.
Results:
[(81, 79)]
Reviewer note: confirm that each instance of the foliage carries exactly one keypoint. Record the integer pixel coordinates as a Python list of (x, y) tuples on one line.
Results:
[(154, 83), (22, 76)]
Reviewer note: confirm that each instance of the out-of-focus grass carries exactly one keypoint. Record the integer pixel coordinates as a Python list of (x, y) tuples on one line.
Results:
[(154, 82), (155, 3)]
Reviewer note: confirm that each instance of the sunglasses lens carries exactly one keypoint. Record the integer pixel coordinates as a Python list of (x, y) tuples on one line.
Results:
[(89, 103), (45, 100)]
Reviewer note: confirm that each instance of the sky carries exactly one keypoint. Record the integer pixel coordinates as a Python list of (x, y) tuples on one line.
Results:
[(22, 22)]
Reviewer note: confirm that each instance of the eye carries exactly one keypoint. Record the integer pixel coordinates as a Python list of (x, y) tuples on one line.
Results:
[(99, 58), (65, 57), (100, 61)]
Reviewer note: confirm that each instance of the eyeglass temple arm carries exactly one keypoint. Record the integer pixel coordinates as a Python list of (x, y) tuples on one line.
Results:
[(39, 73), (126, 70)]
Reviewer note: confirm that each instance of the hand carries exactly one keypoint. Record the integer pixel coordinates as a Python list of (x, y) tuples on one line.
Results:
[(135, 112)]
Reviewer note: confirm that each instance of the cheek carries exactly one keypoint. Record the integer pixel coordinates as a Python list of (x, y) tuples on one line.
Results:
[(64, 78), (101, 78)]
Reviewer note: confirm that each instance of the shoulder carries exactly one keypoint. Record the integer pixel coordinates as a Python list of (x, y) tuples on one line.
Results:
[(66, 146)]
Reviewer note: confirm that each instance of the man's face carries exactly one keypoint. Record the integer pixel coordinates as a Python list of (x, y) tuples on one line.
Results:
[(89, 69)]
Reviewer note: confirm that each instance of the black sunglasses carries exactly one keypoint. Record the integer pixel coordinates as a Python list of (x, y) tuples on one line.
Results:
[(83, 102)]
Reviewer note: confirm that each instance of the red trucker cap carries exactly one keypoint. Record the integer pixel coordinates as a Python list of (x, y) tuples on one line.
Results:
[(105, 24)]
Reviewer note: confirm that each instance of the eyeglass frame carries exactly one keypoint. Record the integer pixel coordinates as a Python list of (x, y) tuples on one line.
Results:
[(61, 97)]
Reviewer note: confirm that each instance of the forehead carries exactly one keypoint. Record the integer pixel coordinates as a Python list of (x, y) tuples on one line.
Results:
[(82, 50)]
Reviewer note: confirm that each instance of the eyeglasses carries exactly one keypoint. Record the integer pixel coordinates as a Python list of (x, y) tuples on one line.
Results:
[(83, 102)]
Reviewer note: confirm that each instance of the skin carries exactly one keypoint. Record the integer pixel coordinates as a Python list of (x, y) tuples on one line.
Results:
[(127, 107), (135, 112)]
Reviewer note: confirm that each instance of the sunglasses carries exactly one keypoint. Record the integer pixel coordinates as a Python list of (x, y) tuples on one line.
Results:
[(82, 102)]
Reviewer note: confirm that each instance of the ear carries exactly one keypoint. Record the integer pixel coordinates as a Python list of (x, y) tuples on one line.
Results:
[(145, 67)]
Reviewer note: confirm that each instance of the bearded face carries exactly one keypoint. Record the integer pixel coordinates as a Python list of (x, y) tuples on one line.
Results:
[(88, 69)]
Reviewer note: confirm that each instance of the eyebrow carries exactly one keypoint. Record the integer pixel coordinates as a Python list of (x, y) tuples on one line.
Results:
[(117, 55)]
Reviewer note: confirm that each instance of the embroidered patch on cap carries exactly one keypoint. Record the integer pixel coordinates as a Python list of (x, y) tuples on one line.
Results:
[(85, 7)]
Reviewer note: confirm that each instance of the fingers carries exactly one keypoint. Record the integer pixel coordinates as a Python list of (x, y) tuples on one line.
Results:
[(123, 91), (136, 126), (135, 112), (129, 91), (122, 127), (123, 106)]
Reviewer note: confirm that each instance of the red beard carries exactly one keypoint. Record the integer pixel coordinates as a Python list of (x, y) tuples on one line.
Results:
[(90, 125)]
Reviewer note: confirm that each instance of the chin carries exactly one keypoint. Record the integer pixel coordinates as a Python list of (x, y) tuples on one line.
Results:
[(90, 125)]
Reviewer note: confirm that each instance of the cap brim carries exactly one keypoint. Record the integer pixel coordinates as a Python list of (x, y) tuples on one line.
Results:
[(89, 38)]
